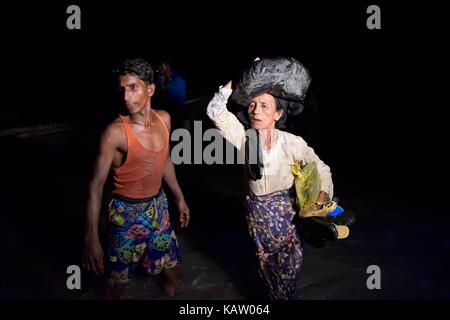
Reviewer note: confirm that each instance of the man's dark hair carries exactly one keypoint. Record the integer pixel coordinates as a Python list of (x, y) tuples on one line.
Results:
[(136, 67)]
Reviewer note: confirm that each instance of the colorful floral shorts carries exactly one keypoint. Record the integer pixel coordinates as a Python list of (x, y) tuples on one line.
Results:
[(140, 232)]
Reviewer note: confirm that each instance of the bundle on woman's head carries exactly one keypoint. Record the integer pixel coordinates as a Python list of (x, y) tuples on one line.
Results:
[(284, 78)]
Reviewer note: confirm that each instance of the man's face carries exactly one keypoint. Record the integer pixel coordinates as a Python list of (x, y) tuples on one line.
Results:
[(136, 92), (263, 112)]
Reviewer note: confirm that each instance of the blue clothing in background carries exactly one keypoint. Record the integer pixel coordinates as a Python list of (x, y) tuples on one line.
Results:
[(175, 90)]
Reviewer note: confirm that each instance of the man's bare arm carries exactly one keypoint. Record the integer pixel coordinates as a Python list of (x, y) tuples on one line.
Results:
[(93, 256), (170, 178)]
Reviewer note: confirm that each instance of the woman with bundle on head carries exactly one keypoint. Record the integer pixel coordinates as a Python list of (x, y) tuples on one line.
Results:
[(271, 89)]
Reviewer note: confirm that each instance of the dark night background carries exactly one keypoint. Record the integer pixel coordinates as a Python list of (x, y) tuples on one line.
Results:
[(382, 97)]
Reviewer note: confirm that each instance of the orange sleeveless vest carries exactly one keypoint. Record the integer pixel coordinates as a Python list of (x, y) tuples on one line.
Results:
[(141, 174)]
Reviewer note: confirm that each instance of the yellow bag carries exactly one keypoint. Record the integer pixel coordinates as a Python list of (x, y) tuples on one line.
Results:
[(307, 185), (307, 188)]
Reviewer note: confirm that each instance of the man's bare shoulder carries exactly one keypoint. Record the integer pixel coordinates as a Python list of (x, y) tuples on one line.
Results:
[(164, 115), (114, 131), (116, 123)]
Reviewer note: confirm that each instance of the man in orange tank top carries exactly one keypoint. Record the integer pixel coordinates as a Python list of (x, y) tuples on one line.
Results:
[(136, 148)]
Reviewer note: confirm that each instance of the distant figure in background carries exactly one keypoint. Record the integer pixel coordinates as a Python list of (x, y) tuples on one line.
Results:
[(171, 87), (171, 93)]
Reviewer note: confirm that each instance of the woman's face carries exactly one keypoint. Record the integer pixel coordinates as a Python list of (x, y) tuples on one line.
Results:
[(263, 113)]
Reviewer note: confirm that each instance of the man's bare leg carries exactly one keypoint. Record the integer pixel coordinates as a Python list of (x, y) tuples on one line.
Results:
[(171, 280), (113, 291)]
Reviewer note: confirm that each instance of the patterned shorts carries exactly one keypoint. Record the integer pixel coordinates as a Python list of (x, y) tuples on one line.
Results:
[(140, 231)]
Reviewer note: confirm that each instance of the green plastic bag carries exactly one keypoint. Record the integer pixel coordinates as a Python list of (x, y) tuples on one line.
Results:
[(307, 185)]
